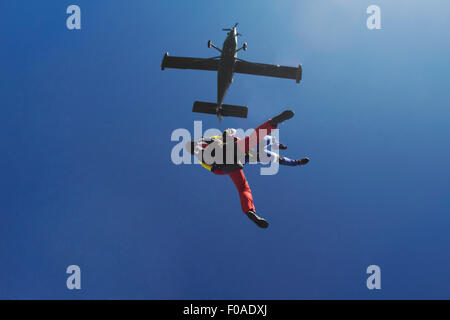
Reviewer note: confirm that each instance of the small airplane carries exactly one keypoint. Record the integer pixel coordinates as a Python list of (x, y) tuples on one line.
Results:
[(226, 65)]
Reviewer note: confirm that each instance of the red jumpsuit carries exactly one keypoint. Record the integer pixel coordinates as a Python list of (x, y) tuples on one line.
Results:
[(238, 176)]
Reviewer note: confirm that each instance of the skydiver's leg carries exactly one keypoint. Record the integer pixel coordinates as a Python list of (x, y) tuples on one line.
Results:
[(243, 188), (255, 137), (261, 131), (246, 197)]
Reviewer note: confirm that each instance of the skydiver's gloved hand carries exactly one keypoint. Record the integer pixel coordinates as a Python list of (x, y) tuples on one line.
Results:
[(229, 131), (285, 115), (260, 222), (303, 161), (229, 135)]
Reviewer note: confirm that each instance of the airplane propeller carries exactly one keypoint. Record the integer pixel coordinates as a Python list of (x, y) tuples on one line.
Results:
[(231, 29)]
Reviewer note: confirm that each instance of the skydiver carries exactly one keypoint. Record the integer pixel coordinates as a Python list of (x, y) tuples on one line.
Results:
[(244, 153)]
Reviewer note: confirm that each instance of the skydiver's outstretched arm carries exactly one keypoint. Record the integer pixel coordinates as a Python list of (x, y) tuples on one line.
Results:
[(290, 162), (285, 161)]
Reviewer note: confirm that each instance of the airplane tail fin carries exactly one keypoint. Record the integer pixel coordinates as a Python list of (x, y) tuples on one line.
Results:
[(226, 110)]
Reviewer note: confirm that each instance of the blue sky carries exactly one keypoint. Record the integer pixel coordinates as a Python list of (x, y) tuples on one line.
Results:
[(87, 179)]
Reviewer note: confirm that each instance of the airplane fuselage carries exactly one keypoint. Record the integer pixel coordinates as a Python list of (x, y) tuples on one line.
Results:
[(226, 66)]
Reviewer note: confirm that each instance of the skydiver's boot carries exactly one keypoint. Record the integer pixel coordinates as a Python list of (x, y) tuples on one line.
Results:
[(260, 222), (285, 115), (282, 146), (303, 161)]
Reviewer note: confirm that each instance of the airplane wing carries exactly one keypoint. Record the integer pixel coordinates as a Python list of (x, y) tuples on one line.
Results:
[(189, 63), (268, 70)]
